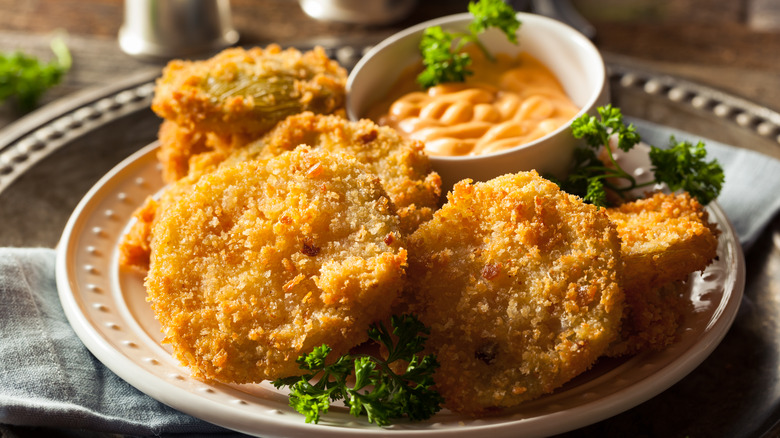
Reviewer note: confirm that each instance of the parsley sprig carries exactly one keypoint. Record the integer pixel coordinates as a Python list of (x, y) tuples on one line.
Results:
[(25, 78), (682, 166), (441, 50), (377, 392)]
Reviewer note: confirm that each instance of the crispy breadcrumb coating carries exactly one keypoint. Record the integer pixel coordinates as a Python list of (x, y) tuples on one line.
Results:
[(177, 146), (665, 238), (520, 284), (401, 164), (181, 149), (134, 247), (259, 262), (247, 91)]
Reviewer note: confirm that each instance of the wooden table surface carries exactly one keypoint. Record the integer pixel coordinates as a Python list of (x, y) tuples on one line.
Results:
[(733, 46)]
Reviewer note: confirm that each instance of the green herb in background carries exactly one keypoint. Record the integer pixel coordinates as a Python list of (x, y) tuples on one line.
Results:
[(682, 166), (25, 78), (378, 392), (441, 50)]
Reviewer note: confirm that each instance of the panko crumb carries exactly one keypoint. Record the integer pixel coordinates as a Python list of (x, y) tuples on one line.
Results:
[(664, 238), (520, 284), (260, 262), (223, 103)]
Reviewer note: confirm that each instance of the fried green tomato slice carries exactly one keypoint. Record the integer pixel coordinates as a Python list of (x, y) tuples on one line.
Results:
[(520, 284), (260, 262), (247, 91), (402, 165)]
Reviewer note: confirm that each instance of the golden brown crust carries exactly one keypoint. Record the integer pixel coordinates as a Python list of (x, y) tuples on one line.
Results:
[(134, 247), (520, 284), (177, 146), (259, 262), (233, 98)]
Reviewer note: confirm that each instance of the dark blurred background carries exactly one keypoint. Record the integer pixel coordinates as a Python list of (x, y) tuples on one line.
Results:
[(731, 45)]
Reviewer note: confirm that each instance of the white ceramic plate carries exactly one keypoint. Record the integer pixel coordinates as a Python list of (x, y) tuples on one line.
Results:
[(106, 307)]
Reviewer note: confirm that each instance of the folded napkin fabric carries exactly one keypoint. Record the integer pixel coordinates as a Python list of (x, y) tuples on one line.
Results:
[(48, 378)]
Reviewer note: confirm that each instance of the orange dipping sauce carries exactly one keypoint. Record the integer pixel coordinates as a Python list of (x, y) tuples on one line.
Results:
[(504, 104)]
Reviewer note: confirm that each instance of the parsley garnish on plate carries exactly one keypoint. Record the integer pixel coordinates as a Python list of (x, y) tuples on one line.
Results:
[(682, 166), (26, 78), (377, 392), (441, 50)]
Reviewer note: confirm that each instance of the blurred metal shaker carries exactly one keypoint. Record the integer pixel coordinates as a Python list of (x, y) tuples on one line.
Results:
[(367, 12), (164, 29)]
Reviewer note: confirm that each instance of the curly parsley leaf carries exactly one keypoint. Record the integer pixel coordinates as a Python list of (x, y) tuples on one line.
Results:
[(597, 132), (25, 78), (494, 13), (377, 392), (441, 50), (683, 166), (443, 64)]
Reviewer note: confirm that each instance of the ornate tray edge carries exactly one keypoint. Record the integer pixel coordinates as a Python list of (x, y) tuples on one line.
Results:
[(744, 113)]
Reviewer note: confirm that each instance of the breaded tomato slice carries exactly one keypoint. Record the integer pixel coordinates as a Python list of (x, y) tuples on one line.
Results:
[(665, 237), (177, 146), (247, 91), (403, 169), (259, 262), (520, 284), (652, 318), (402, 165)]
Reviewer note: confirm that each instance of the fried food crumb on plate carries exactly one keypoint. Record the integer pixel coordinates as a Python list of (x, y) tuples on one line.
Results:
[(521, 286), (238, 95), (665, 237), (259, 262)]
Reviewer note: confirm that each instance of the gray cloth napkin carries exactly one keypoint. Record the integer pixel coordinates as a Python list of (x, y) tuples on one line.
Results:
[(48, 378)]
